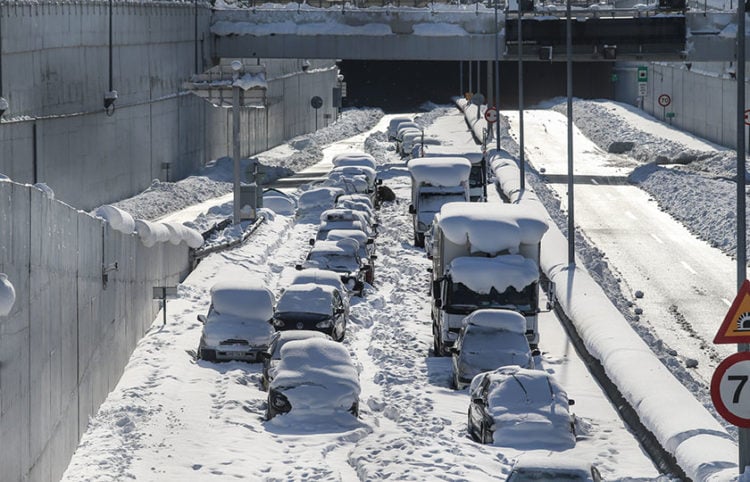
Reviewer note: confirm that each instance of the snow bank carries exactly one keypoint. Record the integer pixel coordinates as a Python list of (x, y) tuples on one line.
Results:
[(505, 320), (242, 298), (308, 298), (118, 219), (7, 295), (480, 274), (279, 204), (440, 171)]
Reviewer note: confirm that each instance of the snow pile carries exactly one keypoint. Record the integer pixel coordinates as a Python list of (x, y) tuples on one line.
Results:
[(151, 233), (279, 203), (491, 228), (481, 275), (501, 320), (7, 295), (317, 376), (118, 219), (306, 298), (440, 171)]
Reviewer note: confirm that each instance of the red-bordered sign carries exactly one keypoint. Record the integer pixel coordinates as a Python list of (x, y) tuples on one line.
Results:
[(736, 325), (665, 100), (490, 115), (747, 117), (730, 391)]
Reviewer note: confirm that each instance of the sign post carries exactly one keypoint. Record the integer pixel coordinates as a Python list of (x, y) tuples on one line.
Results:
[(664, 101), (162, 293), (316, 102), (642, 79)]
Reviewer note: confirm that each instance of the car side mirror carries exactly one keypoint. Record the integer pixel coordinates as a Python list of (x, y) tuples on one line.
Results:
[(571, 402), (454, 350), (477, 401), (298, 267), (202, 319), (370, 241), (429, 270), (412, 210), (311, 242), (378, 182), (536, 352), (373, 257), (438, 303)]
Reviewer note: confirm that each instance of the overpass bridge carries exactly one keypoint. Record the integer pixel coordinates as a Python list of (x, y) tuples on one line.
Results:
[(438, 31)]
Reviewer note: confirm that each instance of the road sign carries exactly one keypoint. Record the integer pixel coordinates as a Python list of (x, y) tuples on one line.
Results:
[(642, 74), (316, 102), (665, 100), (729, 390), (736, 325), (642, 89), (747, 117), (490, 115)]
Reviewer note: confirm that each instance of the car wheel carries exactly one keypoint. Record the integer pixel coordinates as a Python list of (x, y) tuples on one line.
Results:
[(436, 340), (207, 354), (418, 240)]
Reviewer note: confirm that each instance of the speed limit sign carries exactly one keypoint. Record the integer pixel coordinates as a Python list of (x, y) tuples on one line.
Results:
[(490, 115), (665, 100), (730, 391)]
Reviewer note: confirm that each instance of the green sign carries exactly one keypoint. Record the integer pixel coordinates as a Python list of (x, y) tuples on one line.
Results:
[(642, 74), (614, 78), (670, 115)]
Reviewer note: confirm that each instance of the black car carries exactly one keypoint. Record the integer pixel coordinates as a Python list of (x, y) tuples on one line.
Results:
[(312, 307)]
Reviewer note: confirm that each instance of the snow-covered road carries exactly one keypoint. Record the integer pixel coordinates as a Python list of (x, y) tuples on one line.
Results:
[(174, 418), (683, 280)]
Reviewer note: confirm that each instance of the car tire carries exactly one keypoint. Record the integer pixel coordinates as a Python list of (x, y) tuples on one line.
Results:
[(418, 240), (436, 341), (207, 354)]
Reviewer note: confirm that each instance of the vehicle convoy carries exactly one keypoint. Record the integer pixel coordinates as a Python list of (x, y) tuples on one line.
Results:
[(434, 182), (484, 256), (478, 175)]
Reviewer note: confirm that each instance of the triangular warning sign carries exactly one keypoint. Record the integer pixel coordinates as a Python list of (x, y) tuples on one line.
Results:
[(736, 325)]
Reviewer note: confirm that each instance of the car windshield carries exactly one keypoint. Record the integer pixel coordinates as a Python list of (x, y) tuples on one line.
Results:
[(341, 263), (431, 202), (292, 316), (463, 300)]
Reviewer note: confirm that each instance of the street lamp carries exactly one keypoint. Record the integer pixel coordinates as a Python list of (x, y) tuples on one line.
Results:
[(236, 70)]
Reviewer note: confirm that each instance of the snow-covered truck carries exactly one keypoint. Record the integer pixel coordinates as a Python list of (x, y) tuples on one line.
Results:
[(478, 175), (484, 256), (435, 181)]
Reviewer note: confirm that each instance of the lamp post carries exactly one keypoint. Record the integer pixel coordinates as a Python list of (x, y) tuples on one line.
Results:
[(569, 75), (497, 79), (521, 156), (236, 68)]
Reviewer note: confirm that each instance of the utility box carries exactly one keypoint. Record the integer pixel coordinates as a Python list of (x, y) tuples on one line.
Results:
[(250, 196)]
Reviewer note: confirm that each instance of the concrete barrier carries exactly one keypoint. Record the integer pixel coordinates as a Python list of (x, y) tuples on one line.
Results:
[(70, 334)]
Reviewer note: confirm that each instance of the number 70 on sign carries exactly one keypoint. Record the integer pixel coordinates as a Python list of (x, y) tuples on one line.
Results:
[(730, 391)]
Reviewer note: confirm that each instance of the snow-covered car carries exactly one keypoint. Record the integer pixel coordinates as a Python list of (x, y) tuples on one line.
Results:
[(314, 377), (357, 205), (340, 256), (343, 214), (279, 202), (312, 307), (403, 127), (394, 124), (552, 467), (354, 158), (321, 277), (489, 339), (356, 198), (318, 198), (238, 324), (272, 357), (366, 247), (520, 408)]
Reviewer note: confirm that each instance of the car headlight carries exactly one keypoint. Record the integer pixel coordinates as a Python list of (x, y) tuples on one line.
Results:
[(324, 324), (277, 322)]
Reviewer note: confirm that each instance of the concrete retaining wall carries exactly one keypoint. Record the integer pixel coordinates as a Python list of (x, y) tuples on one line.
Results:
[(703, 99), (55, 71), (65, 343)]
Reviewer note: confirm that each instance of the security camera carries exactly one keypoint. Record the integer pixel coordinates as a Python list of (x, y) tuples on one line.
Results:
[(110, 97), (305, 65), (3, 106)]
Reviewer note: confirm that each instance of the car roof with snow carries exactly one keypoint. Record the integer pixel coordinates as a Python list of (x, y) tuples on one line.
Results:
[(481, 274), (319, 276), (242, 298), (342, 214), (360, 198), (319, 197), (440, 171), (491, 227), (357, 234), (546, 466), (368, 172), (354, 159), (308, 298), (501, 320), (341, 246)]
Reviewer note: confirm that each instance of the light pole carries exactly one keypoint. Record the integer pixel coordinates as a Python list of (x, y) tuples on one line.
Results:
[(236, 68), (497, 80), (521, 156), (569, 75)]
